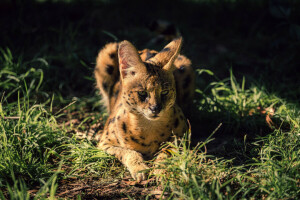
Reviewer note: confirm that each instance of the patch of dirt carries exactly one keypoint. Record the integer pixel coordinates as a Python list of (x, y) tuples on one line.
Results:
[(97, 188)]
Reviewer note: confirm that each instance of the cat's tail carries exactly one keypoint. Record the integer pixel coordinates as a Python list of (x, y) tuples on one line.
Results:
[(107, 72)]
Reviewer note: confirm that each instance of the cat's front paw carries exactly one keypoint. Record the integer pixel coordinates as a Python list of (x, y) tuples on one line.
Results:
[(138, 172)]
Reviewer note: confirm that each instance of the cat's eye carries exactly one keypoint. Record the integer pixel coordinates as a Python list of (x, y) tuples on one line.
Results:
[(165, 92), (142, 93)]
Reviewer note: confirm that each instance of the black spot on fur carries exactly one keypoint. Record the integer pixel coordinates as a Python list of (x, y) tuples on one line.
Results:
[(111, 120), (105, 86), (116, 93), (134, 139), (128, 103), (176, 123), (182, 69), (107, 147), (112, 55), (124, 127), (186, 81), (174, 110), (162, 135), (164, 50), (118, 117), (132, 73), (151, 68), (142, 137), (144, 145), (109, 69)]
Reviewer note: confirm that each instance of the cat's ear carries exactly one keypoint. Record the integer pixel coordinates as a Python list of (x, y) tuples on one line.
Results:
[(168, 54), (130, 62)]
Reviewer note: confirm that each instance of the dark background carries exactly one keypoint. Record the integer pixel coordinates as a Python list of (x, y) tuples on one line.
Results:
[(257, 39)]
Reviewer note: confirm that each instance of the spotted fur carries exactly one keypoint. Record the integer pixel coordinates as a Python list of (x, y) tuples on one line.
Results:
[(142, 92)]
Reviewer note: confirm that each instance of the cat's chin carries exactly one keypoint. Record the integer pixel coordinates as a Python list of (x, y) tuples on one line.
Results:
[(152, 117)]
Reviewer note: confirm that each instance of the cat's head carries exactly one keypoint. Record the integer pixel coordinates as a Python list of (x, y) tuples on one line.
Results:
[(148, 88)]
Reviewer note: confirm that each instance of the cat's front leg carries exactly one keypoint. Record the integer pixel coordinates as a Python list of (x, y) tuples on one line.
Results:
[(133, 160)]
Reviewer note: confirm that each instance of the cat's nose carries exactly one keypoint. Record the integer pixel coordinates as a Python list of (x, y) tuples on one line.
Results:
[(155, 109)]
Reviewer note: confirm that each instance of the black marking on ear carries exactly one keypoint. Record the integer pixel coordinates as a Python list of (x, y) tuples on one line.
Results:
[(124, 127), (176, 123), (105, 86), (149, 55), (186, 81), (181, 69), (165, 49), (109, 69)]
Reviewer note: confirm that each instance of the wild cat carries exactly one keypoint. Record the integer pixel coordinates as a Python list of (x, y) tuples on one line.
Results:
[(142, 92)]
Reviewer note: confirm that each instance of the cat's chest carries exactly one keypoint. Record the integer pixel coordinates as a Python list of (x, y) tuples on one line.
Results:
[(146, 137)]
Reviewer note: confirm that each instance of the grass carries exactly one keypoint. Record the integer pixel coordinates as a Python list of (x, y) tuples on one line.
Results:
[(247, 114)]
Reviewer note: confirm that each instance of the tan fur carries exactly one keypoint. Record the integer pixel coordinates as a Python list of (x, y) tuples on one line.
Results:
[(140, 94)]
